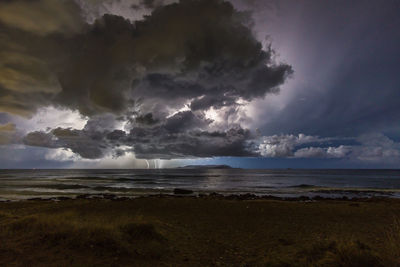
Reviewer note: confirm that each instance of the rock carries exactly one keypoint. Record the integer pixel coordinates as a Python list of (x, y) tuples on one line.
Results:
[(232, 197), (38, 199), (317, 197), (62, 198), (84, 196), (215, 194), (180, 191), (247, 196), (109, 196), (304, 198), (121, 198)]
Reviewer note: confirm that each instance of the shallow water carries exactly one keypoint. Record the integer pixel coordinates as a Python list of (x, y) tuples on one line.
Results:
[(22, 184)]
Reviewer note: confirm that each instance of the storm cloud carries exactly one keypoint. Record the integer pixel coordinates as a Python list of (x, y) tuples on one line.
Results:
[(168, 79), (160, 75), (181, 135), (191, 51)]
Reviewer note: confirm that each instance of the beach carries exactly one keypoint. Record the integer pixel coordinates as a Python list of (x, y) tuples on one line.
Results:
[(211, 230)]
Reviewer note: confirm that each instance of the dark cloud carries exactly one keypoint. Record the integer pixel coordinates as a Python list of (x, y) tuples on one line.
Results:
[(193, 54), (152, 3), (82, 143), (190, 51), (233, 142), (41, 17), (182, 52), (146, 119), (41, 139), (183, 121), (186, 135), (91, 142), (181, 135), (149, 4), (148, 86)]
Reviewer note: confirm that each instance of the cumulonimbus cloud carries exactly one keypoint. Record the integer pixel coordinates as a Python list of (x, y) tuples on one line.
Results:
[(192, 51), (179, 136), (158, 75)]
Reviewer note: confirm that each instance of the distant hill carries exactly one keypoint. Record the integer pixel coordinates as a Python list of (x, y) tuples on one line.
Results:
[(206, 167)]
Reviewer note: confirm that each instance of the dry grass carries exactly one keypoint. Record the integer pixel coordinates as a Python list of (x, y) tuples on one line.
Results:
[(391, 253), (199, 232), (67, 238)]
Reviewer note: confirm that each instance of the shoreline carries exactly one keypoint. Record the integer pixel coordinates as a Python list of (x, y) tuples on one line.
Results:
[(212, 196)]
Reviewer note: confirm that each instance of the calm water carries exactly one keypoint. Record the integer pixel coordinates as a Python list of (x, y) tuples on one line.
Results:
[(21, 184)]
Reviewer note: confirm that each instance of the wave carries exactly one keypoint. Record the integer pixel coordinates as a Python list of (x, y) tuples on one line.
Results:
[(305, 186), (62, 186)]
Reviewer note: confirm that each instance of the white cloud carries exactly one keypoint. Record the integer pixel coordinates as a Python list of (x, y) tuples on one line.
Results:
[(338, 152), (311, 152), (283, 145), (51, 117), (375, 148), (323, 152), (61, 154)]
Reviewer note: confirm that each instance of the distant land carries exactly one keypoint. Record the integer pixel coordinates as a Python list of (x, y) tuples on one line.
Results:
[(206, 167)]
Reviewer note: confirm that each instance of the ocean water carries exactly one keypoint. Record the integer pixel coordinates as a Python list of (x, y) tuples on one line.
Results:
[(25, 184)]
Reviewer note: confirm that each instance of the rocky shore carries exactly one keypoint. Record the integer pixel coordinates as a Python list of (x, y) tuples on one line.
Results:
[(214, 195)]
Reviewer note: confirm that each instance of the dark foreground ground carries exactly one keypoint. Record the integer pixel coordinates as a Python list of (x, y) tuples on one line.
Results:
[(185, 231)]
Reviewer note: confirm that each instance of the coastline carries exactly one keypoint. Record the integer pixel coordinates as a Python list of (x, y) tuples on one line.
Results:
[(213, 195), (282, 184)]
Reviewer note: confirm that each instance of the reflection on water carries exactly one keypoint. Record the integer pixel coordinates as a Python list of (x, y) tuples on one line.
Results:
[(15, 184)]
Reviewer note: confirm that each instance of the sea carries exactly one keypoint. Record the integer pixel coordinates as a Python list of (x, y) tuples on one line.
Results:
[(284, 183)]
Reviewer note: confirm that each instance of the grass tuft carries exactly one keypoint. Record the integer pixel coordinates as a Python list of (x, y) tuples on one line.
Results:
[(87, 239), (141, 231), (392, 245), (351, 254)]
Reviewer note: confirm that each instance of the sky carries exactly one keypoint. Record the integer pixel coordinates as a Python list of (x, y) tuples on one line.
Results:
[(165, 83)]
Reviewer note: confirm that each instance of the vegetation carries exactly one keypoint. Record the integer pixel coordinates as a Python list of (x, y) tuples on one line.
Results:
[(184, 231)]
